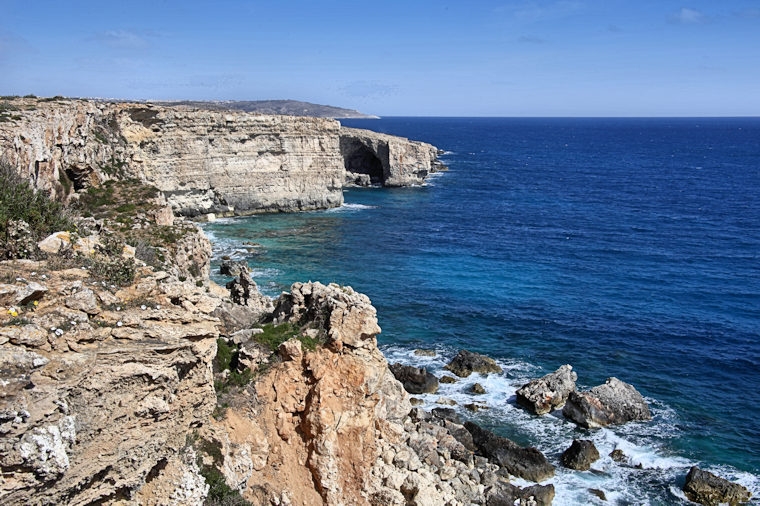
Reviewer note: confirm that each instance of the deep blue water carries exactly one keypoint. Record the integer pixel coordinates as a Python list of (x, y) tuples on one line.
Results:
[(625, 247)]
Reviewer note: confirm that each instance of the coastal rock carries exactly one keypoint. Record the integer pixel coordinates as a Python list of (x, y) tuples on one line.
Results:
[(372, 158), (549, 392), (342, 316), (414, 379), (233, 268), (526, 463), (613, 403), (703, 487), (203, 161), (467, 362), (103, 402), (580, 455), (506, 494)]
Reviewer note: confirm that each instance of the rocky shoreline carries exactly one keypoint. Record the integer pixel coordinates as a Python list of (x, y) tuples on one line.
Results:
[(129, 377)]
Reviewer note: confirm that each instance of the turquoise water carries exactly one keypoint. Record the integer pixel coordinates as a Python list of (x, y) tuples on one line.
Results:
[(626, 248)]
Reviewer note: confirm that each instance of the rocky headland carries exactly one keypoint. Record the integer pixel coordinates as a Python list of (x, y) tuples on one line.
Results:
[(203, 161), (130, 378)]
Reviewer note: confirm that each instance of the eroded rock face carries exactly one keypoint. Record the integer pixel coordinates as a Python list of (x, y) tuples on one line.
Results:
[(321, 412), (550, 392), (204, 161), (706, 488), (100, 392), (613, 403), (372, 158)]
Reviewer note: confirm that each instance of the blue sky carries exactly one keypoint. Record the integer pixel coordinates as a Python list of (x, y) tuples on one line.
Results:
[(391, 58)]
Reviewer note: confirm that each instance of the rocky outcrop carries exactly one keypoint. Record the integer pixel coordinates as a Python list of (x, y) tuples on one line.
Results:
[(101, 388), (613, 403), (526, 463), (703, 487), (580, 455), (372, 158), (467, 362), (550, 392), (415, 380), (203, 161)]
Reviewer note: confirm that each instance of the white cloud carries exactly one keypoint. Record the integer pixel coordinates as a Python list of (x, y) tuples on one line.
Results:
[(122, 39), (689, 16)]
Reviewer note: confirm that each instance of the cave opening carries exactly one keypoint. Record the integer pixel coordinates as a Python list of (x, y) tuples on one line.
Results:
[(362, 160)]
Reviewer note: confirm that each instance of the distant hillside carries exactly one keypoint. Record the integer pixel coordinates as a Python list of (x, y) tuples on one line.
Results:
[(286, 107)]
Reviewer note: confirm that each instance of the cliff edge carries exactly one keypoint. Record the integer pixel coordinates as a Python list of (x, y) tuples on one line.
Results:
[(203, 161)]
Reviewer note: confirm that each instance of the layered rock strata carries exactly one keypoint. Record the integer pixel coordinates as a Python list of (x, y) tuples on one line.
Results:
[(203, 161)]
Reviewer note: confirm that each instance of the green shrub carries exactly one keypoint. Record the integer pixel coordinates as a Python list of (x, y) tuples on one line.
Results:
[(19, 201)]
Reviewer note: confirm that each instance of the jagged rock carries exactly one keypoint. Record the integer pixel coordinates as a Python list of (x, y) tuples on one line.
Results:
[(447, 379), (420, 352), (580, 455), (467, 362), (615, 402), (346, 317), (415, 380), (506, 494), (235, 317), (290, 350), (233, 268), (526, 463), (19, 295), (446, 414), (242, 288), (549, 392), (477, 389), (703, 487)]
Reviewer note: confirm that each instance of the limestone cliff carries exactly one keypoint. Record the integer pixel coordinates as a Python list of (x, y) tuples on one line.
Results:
[(372, 158), (204, 161)]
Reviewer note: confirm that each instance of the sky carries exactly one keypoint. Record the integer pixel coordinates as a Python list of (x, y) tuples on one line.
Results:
[(396, 58)]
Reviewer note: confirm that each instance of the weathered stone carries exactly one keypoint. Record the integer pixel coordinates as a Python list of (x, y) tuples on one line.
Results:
[(527, 463), (467, 362), (83, 300), (233, 268), (415, 380), (549, 392), (55, 243), (506, 494), (580, 455), (477, 389), (615, 402), (290, 350), (706, 488), (420, 352), (447, 379)]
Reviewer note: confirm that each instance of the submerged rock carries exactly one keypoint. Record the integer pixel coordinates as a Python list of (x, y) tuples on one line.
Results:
[(549, 392), (526, 463), (414, 379), (581, 454), (613, 403), (706, 488), (467, 362)]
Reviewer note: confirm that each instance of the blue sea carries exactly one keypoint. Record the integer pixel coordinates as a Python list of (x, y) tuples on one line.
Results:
[(624, 247)]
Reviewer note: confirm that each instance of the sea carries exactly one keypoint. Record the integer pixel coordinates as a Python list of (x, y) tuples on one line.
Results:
[(624, 247)]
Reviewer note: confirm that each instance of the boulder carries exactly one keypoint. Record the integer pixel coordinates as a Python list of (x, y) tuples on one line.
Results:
[(55, 243), (526, 463), (549, 392), (414, 379), (233, 268), (467, 362), (581, 454), (477, 389), (706, 488), (613, 403), (447, 379), (506, 494)]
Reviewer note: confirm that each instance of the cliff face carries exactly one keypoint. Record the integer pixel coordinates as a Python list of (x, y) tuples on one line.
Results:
[(204, 161), (372, 158), (101, 387)]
